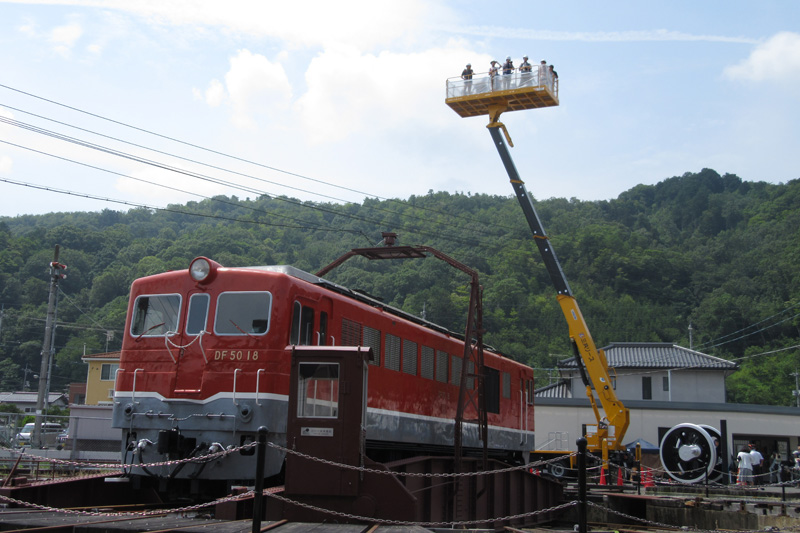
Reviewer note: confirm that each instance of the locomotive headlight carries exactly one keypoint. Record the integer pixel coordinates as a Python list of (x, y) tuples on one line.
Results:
[(203, 269)]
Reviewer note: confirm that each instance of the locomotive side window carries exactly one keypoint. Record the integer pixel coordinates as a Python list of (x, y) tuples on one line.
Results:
[(392, 352), (409, 357), (318, 390), (155, 315), (426, 370), (441, 366), (372, 338), (323, 329), (302, 332), (491, 389), (529, 384), (197, 315), (243, 313)]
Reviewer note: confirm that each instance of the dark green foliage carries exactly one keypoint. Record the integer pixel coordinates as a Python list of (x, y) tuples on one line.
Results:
[(705, 249)]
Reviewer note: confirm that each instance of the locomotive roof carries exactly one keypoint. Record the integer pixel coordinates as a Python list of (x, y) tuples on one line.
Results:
[(360, 296)]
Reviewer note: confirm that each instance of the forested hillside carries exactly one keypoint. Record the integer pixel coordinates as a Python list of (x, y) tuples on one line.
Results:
[(712, 251)]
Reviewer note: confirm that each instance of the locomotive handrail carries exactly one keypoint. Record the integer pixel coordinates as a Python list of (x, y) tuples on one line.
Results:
[(198, 338), (258, 381), (133, 392), (234, 386)]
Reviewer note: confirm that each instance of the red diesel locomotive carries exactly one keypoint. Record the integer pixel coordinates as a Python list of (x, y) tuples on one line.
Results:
[(205, 363)]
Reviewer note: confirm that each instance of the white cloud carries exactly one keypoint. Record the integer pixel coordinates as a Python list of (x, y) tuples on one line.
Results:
[(5, 164), (254, 86), (595, 36), (64, 38), (350, 92), (778, 59), (364, 23)]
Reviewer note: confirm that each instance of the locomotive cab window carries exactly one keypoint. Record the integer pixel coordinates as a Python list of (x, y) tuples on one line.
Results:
[(197, 315), (155, 315), (302, 332), (243, 313), (318, 390)]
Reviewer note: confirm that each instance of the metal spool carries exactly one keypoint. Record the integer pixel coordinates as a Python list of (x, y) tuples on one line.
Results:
[(688, 453)]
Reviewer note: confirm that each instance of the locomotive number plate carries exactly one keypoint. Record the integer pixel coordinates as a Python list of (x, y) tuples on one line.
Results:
[(316, 432), (236, 355)]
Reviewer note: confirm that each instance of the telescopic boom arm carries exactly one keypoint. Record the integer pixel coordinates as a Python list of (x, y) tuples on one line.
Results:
[(587, 355)]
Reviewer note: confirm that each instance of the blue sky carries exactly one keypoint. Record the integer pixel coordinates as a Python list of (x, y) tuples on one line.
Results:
[(335, 101)]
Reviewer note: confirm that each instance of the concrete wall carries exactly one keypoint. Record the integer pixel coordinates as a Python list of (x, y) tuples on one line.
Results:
[(690, 385), (770, 422)]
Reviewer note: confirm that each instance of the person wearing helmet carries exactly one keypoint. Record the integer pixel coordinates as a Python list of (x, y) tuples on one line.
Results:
[(466, 75), (525, 72), (508, 69)]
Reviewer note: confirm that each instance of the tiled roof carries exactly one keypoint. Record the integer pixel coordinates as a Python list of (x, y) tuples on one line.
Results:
[(28, 397), (559, 389), (656, 355), (103, 356)]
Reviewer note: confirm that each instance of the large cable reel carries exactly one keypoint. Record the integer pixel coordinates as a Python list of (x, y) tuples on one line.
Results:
[(689, 452)]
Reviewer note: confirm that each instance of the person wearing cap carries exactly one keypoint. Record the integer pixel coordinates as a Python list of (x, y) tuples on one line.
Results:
[(466, 75), (525, 69), (543, 73), (508, 69), (494, 70), (552, 76)]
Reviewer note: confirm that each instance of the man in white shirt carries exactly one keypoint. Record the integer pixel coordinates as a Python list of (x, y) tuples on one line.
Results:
[(745, 467), (756, 459)]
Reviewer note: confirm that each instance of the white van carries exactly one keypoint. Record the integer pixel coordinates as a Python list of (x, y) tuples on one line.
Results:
[(50, 432)]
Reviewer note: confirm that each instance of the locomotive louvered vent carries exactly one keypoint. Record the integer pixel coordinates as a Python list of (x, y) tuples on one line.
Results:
[(351, 333), (455, 377), (426, 371), (441, 366), (409, 357), (372, 338), (392, 352), (506, 385)]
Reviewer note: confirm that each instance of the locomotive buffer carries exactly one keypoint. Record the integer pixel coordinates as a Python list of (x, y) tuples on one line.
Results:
[(518, 92)]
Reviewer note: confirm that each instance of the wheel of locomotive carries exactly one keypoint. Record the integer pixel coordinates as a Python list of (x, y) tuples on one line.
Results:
[(716, 438), (688, 453)]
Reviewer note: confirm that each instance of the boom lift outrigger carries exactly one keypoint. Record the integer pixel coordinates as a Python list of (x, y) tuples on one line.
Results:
[(528, 93)]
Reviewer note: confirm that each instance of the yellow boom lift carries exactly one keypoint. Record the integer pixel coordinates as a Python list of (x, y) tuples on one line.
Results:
[(532, 90)]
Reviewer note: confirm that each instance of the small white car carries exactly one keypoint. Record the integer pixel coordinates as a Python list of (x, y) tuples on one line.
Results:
[(50, 432)]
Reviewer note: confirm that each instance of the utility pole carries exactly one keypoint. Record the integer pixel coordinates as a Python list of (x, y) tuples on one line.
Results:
[(56, 273), (796, 391), (691, 347)]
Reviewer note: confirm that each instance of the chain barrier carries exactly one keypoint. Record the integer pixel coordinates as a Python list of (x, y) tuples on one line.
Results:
[(422, 524), (526, 466), (152, 512), (118, 465)]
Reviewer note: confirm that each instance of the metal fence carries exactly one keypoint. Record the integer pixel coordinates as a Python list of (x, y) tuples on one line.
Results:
[(483, 83), (72, 437)]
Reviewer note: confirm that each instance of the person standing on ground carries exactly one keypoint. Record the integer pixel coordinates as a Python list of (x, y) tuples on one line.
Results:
[(745, 467), (775, 468), (756, 459)]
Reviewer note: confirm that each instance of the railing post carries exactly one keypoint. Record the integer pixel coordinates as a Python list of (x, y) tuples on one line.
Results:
[(582, 522), (258, 497)]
